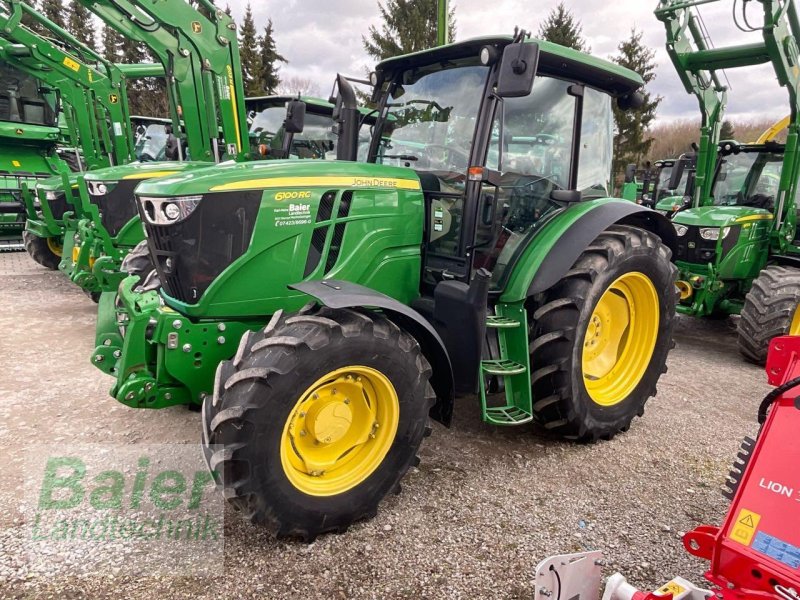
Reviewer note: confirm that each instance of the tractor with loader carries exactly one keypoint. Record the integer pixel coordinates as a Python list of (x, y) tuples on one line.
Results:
[(738, 251), (90, 93), (322, 311), (29, 135), (110, 228)]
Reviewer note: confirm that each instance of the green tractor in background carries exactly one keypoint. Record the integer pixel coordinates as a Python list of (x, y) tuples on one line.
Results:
[(110, 227), (90, 94), (672, 185), (29, 135), (738, 251), (635, 181), (321, 311)]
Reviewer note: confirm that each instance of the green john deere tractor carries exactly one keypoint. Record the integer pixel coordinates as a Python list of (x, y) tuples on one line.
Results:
[(738, 250), (207, 117), (672, 185), (29, 135), (321, 311), (111, 227)]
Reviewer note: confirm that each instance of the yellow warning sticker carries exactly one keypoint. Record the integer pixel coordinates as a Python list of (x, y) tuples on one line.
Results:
[(16, 163), (71, 64), (671, 588), (745, 527)]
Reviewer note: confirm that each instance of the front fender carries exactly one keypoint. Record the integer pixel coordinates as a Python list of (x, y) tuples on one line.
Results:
[(343, 294), (556, 247)]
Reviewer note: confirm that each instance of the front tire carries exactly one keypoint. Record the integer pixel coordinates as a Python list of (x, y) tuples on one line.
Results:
[(317, 418), (770, 310), (45, 251), (599, 338)]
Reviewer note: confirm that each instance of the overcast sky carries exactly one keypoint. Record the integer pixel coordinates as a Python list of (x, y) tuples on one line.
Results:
[(322, 37)]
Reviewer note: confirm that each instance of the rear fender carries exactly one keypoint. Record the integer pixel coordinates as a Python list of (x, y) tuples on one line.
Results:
[(343, 294), (559, 251)]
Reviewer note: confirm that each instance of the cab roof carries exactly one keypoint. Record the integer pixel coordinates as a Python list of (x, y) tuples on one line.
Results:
[(554, 60)]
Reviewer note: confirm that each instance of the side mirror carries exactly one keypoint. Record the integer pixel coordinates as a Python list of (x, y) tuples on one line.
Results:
[(630, 173), (677, 173), (518, 69), (295, 116), (631, 101)]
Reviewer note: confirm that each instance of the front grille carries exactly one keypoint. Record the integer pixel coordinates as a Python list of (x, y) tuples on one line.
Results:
[(117, 206), (190, 254), (58, 205), (694, 249)]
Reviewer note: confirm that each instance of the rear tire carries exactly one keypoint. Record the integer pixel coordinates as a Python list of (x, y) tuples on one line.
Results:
[(41, 251), (259, 401), (769, 310), (560, 319)]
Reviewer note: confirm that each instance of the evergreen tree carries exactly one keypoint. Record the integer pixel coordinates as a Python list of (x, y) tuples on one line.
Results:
[(248, 54), (408, 26), (27, 20), (631, 142), (228, 10), (112, 44), (268, 60), (53, 10), (81, 24), (727, 131), (561, 27)]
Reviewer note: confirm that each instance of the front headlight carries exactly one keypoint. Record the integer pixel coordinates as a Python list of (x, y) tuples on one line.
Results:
[(712, 234), (680, 230), (96, 188), (165, 211)]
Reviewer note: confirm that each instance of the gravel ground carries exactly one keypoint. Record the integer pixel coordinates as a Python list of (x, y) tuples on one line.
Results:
[(484, 506)]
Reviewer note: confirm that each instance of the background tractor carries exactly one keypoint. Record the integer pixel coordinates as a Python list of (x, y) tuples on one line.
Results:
[(110, 227), (90, 94), (321, 310), (29, 135), (737, 249)]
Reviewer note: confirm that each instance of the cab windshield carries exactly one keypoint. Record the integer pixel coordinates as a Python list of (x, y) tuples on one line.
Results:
[(316, 141), (748, 179), (662, 186), (151, 142), (432, 112), (21, 99)]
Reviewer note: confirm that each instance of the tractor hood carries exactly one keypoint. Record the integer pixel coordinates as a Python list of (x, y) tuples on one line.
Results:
[(144, 170), (670, 203), (282, 174), (56, 183), (720, 216)]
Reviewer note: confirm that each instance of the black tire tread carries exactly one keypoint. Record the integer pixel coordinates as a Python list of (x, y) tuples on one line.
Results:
[(232, 407), (551, 342), (768, 311), (39, 251)]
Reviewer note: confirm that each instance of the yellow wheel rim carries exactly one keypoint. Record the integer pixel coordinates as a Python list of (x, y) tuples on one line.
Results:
[(54, 246), (339, 431), (620, 339), (794, 328)]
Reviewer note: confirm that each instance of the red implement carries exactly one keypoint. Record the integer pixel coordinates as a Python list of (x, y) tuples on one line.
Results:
[(756, 552)]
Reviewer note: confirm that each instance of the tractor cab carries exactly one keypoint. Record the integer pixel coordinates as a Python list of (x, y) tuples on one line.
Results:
[(266, 117), (748, 176), (151, 138), (495, 163)]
